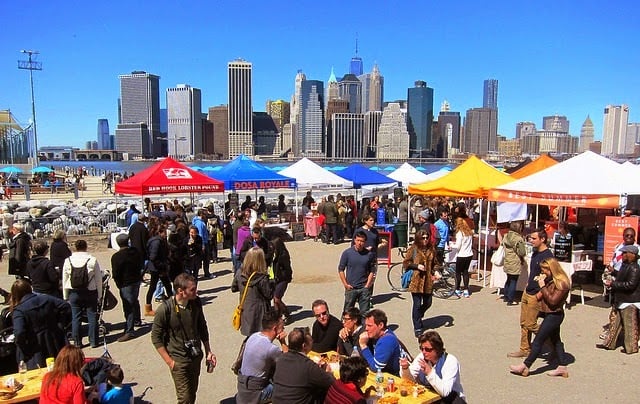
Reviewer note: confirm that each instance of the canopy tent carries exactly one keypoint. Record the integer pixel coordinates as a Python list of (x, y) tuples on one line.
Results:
[(168, 177), (10, 169), (242, 173), (473, 178), (41, 170), (361, 175), (310, 175), (539, 164), (587, 180), (408, 174), (437, 174)]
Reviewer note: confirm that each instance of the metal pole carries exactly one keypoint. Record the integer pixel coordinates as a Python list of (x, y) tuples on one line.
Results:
[(31, 66)]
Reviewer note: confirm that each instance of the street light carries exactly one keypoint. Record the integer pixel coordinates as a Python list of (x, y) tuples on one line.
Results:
[(31, 66)]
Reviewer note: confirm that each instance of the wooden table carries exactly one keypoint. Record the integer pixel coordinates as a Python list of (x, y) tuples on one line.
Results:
[(31, 388)]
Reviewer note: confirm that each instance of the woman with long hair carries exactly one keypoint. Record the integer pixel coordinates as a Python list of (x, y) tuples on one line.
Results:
[(421, 258), (64, 383), (158, 266), (283, 274), (554, 289), (259, 294), (464, 241), (36, 324)]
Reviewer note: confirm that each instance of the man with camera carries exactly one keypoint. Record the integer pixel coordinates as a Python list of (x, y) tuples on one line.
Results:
[(178, 333)]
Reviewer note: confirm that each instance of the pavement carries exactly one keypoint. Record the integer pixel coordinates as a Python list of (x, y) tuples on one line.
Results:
[(479, 331)]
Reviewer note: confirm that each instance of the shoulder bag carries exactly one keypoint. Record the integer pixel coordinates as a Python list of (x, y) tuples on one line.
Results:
[(236, 319)]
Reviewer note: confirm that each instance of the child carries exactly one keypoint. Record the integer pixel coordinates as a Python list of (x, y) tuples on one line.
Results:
[(114, 392)]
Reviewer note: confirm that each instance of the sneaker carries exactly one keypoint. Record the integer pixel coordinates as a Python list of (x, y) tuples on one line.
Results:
[(466, 293), (126, 337), (458, 293)]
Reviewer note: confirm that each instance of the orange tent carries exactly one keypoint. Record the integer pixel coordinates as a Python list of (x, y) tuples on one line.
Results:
[(539, 164)]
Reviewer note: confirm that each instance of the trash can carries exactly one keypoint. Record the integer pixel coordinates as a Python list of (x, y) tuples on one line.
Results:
[(400, 234)]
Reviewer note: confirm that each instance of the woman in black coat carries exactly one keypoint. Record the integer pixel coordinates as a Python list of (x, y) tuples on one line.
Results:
[(38, 322), (44, 277), (59, 250), (157, 265), (283, 274)]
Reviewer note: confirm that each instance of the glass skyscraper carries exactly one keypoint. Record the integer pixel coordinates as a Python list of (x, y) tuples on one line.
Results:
[(419, 118), (240, 108), (490, 94), (311, 134), (104, 140)]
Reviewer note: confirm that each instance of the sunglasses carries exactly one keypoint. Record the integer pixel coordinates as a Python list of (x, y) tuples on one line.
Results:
[(425, 237), (324, 313), (425, 349), (346, 319)]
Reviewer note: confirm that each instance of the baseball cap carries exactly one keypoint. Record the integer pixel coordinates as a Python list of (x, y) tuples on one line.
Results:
[(630, 248)]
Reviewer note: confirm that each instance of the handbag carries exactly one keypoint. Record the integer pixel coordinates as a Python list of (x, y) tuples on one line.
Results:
[(497, 258), (236, 319), (110, 300), (237, 364), (406, 278)]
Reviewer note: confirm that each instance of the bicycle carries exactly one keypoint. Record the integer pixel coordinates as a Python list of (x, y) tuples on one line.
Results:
[(443, 288)]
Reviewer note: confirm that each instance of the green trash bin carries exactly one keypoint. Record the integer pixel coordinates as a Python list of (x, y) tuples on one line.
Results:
[(400, 234)]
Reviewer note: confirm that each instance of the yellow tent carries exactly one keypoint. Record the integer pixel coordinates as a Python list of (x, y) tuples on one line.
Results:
[(539, 164), (473, 178)]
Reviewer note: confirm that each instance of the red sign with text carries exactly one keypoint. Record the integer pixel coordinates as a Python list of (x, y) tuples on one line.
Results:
[(613, 228)]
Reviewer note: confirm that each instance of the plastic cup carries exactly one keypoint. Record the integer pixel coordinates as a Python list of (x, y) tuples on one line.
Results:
[(49, 362)]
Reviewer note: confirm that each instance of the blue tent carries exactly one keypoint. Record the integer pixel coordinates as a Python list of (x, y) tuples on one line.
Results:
[(361, 175), (242, 173)]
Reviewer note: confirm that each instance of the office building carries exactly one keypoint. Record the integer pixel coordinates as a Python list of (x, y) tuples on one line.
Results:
[(335, 106), (525, 129), (614, 131), (310, 136), (586, 134), (490, 94), (448, 134), (280, 111), (240, 108), (372, 90), (350, 89), (184, 118), (480, 131), (372, 121), (633, 131), (104, 139), (297, 97), (419, 118), (393, 135), (219, 142), (355, 66), (347, 139), (139, 108), (266, 135), (558, 123), (333, 93)]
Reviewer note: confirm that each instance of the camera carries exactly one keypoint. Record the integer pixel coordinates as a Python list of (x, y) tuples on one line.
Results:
[(193, 348)]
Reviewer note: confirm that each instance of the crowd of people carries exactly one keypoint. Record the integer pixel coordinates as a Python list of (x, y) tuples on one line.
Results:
[(55, 286)]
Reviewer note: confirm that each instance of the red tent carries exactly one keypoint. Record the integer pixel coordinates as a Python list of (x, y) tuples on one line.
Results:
[(168, 177)]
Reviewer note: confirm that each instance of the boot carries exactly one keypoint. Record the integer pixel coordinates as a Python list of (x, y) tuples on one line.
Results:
[(148, 310), (520, 369), (559, 371)]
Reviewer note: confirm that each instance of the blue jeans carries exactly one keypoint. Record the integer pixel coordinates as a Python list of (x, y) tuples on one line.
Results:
[(510, 287), (130, 305), (84, 300), (421, 303), (550, 328), (362, 296)]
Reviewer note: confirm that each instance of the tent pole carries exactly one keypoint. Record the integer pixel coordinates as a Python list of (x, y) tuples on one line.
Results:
[(537, 216), (486, 248)]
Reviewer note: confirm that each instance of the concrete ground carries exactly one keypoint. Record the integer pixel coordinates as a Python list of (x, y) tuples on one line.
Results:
[(480, 331)]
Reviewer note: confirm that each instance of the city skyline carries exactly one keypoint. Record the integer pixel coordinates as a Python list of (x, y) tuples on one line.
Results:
[(567, 65)]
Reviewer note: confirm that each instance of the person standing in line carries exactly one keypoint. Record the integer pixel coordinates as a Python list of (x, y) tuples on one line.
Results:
[(59, 250), (194, 252), (514, 252), (357, 270), (442, 226), (19, 250), (421, 258), (83, 299), (259, 360), (464, 241), (200, 222), (178, 333), (43, 276), (258, 299), (554, 288), (530, 305), (127, 276), (283, 274), (157, 265), (139, 237), (330, 212)]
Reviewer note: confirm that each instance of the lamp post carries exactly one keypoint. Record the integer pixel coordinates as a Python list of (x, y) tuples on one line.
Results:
[(31, 66)]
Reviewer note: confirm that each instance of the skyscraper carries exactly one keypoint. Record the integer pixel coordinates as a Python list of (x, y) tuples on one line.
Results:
[(480, 131), (104, 140), (557, 123), (139, 127), (240, 108), (490, 94), (419, 118), (184, 115), (614, 131), (393, 136), (448, 131), (347, 137), (372, 90), (311, 128), (335, 106), (333, 93), (355, 67), (586, 134), (350, 89), (525, 129), (296, 100), (219, 116), (280, 111)]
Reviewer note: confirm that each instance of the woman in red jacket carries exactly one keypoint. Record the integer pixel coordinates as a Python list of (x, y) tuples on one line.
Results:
[(64, 385)]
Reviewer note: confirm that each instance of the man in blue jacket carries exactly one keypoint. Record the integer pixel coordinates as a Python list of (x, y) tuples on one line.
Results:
[(200, 222), (379, 345)]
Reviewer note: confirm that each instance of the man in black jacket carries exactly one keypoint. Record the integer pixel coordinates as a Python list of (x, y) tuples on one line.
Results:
[(19, 251), (139, 236), (127, 275)]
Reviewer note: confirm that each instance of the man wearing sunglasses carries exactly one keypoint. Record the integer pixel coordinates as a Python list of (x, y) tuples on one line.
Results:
[(325, 328)]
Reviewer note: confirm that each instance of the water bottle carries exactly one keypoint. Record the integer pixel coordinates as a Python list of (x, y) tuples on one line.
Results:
[(379, 383), (355, 352), (22, 369)]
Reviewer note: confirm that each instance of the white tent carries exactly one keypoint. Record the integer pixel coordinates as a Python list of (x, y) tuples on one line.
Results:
[(310, 175), (408, 174), (586, 180)]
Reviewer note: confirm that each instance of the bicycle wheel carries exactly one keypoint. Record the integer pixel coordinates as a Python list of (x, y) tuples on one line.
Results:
[(394, 277), (444, 287)]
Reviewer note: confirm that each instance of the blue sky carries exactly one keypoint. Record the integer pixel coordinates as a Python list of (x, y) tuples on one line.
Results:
[(551, 57)]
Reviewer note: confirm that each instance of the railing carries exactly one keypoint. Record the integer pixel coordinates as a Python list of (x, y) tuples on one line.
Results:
[(78, 224)]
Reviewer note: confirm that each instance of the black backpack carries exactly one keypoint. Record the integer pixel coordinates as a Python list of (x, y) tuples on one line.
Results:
[(79, 276)]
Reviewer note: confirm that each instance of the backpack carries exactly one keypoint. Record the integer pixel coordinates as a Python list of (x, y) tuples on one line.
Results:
[(79, 276)]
